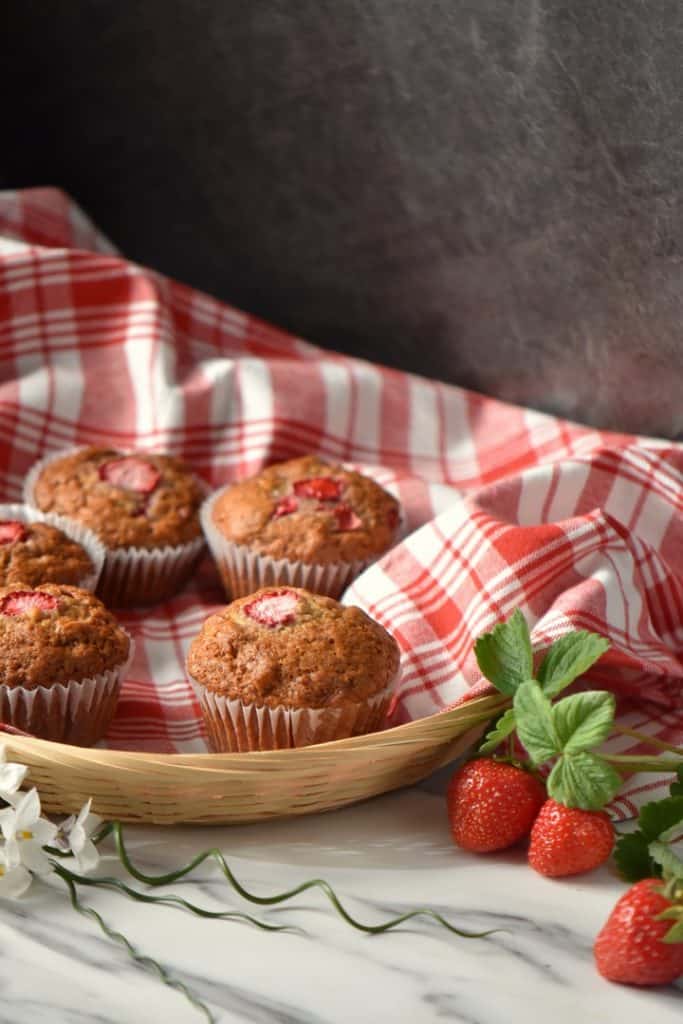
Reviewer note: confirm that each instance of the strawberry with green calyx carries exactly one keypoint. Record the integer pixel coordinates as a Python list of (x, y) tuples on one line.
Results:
[(568, 841), (637, 945), (560, 735), (571, 835), (492, 805), (642, 941)]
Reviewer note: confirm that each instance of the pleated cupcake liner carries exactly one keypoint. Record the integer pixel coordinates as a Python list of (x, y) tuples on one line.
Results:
[(77, 712), (233, 726), (243, 571), (132, 576)]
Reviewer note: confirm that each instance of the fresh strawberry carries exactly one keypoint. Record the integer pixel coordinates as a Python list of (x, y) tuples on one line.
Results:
[(21, 601), (322, 488), (285, 507), (492, 805), (569, 841), (11, 530), (130, 473), (629, 947), (275, 608), (346, 518)]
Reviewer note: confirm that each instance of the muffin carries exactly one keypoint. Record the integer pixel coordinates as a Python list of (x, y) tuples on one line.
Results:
[(64, 656), (143, 507), (305, 522), (37, 548), (287, 668)]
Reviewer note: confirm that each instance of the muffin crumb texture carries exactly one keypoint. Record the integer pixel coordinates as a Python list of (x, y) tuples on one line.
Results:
[(35, 553), (288, 647), (141, 500), (309, 510), (54, 634)]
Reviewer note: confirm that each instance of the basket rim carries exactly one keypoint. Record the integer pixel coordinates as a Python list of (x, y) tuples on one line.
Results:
[(483, 706)]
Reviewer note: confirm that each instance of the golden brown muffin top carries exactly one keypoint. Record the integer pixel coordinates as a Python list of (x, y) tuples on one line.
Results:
[(137, 499), (311, 511), (37, 553), (286, 646), (55, 633)]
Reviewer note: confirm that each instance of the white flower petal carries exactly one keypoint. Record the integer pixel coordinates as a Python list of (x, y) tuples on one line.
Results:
[(78, 838), (44, 831), (34, 858), (84, 812), (11, 777), (11, 854), (14, 882), (28, 810), (8, 822), (92, 823), (87, 858)]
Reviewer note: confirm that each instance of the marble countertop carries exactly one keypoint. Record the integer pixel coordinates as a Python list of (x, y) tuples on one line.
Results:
[(385, 856)]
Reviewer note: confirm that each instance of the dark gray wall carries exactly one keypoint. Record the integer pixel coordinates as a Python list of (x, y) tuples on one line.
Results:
[(485, 191)]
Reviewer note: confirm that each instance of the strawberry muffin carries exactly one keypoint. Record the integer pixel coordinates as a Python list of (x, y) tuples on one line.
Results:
[(287, 668), (37, 548), (143, 507), (305, 522), (64, 656)]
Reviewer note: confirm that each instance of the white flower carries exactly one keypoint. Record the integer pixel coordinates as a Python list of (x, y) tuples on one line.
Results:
[(14, 879), (11, 776), (73, 836), (26, 833)]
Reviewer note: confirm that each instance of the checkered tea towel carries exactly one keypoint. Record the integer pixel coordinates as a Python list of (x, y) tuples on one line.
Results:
[(507, 507)]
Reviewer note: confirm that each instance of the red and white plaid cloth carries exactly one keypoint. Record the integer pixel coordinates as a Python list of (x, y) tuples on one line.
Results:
[(511, 508)]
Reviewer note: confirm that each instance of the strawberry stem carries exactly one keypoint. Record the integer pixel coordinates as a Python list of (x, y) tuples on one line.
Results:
[(639, 763), (649, 740)]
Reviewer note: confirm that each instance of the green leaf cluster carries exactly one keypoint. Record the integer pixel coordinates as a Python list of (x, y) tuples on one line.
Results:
[(651, 852), (564, 732)]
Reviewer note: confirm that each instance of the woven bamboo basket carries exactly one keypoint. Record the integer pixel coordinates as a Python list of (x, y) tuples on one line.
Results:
[(221, 789)]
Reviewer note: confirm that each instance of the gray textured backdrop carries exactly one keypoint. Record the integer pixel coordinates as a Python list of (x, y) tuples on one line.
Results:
[(485, 191)]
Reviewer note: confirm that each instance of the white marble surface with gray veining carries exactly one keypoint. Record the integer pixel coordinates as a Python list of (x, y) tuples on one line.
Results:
[(384, 856)]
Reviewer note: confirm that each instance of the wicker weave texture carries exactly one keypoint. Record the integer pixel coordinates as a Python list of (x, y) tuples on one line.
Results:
[(221, 789)]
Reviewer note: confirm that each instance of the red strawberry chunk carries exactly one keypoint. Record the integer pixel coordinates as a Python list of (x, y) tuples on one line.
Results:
[(275, 608), (285, 507), (131, 473), (346, 518), (322, 488), (24, 600), (393, 518), (11, 530)]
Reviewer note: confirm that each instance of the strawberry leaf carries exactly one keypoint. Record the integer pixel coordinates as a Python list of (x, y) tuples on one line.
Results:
[(657, 821), (659, 816), (671, 864), (534, 718), (632, 858), (568, 658), (583, 780), (583, 720), (501, 730), (504, 655), (676, 788)]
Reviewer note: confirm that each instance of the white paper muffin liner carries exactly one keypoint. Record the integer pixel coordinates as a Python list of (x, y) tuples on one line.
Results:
[(77, 712), (235, 727), (132, 576), (243, 571), (75, 531)]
